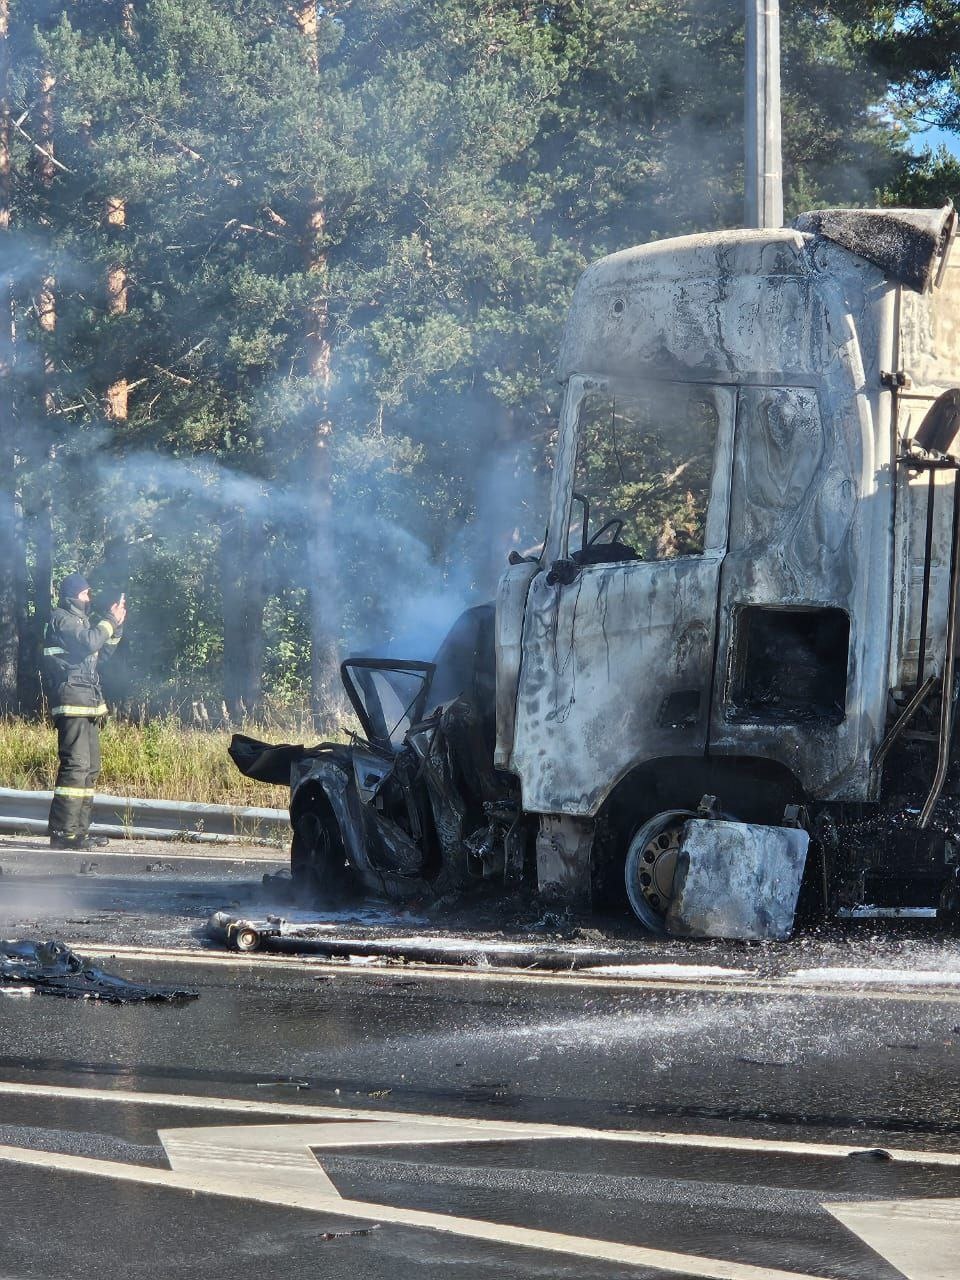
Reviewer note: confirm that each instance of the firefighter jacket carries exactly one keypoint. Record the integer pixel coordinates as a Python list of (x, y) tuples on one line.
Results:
[(71, 650)]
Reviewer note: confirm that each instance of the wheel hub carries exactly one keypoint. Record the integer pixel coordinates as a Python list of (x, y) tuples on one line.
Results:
[(651, 866), (657, 867)]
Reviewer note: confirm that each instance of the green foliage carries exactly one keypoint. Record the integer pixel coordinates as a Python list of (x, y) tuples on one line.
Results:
[(647, 461), (154, 760), (927, 181), (469, 159)]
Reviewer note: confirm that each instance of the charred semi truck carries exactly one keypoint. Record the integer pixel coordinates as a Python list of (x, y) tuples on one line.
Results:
[(726, 685)]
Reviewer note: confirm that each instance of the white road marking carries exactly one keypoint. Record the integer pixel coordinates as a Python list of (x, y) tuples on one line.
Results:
[(275, 1164), (887, 977), (269, 1169), (685, 972), (197, 853), (835, 989), (516, 1128), (921, 1238)]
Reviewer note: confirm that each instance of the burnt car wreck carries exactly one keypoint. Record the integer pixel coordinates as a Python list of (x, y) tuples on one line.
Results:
[(414, 808), (725, 688)]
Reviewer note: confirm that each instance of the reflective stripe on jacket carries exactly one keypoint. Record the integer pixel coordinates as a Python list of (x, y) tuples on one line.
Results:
[(72, 647)]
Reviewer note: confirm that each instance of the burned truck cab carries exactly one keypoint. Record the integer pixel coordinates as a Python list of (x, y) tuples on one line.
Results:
[(741, 590)]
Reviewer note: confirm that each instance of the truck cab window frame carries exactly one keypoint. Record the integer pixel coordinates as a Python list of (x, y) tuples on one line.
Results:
[(651, 474)]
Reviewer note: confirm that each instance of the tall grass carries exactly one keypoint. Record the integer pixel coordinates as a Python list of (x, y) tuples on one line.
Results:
[(157, 760)]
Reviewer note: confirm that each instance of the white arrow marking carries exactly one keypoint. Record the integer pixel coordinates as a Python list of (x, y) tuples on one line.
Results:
[(282, 1155), (516, 1129), (273, 1164), (921, 1238)]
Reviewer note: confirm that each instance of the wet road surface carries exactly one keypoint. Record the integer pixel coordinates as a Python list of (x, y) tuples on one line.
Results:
[(691, 1128)]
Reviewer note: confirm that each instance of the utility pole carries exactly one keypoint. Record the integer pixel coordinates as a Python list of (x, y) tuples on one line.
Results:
[(763, 161)]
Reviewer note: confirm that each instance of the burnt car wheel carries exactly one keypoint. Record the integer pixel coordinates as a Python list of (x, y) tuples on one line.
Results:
[(318, 862), (651, 866)]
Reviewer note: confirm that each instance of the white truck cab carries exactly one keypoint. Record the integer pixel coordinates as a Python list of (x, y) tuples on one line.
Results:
[(745, 552)]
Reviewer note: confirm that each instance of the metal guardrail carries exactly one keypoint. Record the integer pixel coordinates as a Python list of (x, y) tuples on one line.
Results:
[(125, 816)]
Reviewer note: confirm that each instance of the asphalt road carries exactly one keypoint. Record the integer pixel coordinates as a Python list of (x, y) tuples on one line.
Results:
[(305, 1117)]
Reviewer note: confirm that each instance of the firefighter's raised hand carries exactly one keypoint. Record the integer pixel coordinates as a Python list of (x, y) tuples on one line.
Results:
[(118, 611)]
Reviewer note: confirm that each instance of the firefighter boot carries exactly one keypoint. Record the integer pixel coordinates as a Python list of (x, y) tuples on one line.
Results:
[(65, 816), (66, 842), (87, 841)]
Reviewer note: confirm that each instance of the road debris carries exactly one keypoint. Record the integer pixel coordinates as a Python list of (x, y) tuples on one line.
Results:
[(277, 933), (347, 1235), (53, 969)]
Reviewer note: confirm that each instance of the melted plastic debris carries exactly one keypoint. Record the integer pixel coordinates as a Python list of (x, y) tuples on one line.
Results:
[(53, 969)]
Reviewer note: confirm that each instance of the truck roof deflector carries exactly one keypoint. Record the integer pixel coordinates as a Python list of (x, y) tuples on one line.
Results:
[(908, 245)]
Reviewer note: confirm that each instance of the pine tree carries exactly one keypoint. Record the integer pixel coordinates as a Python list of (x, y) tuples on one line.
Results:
[(312, 267), (10, 533)]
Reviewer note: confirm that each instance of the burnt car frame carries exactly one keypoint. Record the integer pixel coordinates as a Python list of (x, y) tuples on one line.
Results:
[(412, 807)]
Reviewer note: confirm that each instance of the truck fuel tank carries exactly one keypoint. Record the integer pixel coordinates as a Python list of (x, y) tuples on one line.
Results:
[(736, 880)]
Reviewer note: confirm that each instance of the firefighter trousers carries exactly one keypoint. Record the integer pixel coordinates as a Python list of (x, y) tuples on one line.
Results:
[(78, 745)]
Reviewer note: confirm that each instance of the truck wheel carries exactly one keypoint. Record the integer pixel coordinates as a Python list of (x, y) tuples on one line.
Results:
[(651, 865), (318, 863)]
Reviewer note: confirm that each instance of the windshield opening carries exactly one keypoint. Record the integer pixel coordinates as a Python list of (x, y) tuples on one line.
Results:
[(644, 464), (387, 696)]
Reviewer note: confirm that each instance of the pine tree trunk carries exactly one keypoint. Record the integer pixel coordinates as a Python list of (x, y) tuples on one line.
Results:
[(325, 694), (41, 512), (325, 604), (9, 523), (114, 219), (38, 516)]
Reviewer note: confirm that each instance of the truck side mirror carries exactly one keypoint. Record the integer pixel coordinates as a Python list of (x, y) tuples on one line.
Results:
[(562, 573), (941, 423)]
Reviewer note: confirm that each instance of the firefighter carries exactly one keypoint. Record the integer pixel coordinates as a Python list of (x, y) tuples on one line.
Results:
[(72, 648)]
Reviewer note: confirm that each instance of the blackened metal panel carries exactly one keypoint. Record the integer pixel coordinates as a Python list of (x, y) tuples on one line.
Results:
[(737, 880), (511, 602), (761, 309), (929, 342), (796, 540), (602, 658)]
